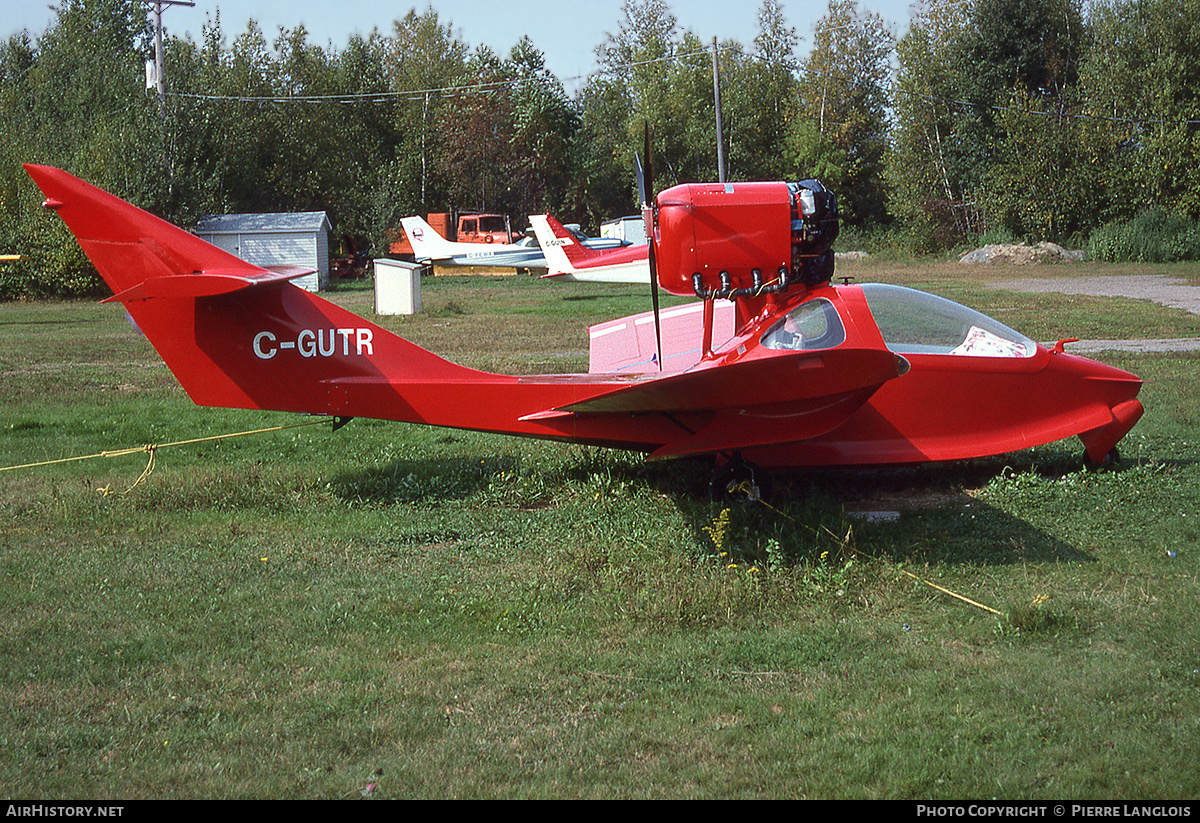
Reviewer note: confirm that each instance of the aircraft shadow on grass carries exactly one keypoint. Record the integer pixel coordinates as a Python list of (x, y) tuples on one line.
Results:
[(905, 515), (926, 515), (422, 479)]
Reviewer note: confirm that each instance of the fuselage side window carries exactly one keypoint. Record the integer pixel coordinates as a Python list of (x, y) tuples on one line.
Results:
[(811, 325)]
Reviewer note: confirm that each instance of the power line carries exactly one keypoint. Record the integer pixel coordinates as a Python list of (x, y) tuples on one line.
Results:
[(451, 91), (1141, 121), (456, 91)]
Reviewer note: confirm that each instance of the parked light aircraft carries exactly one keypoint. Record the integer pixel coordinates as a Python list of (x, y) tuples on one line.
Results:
[(788, 371), (568, 259), (429, 246)]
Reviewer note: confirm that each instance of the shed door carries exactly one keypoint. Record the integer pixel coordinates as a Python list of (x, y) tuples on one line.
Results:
[(225, 242)]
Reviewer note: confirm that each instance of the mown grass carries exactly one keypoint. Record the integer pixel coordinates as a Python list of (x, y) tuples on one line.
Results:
[(451, 614)]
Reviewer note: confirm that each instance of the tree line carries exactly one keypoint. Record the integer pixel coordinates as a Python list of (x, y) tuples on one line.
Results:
[(1031, 119)]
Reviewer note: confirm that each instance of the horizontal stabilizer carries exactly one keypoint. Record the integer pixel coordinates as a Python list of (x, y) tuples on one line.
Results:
[(207, 283)]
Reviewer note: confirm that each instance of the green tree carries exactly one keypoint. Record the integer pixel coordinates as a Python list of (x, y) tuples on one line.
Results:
[(640, 52), (544, 124), (367, 130), (421, 57), (685, 139), (600, 185), (1020, 68), (924, 178), (76, 99), (1043, 185), (666, 82), (986, 130), (1142, 85), (478, 135), (507, 142), (760, 98), (840, 133)]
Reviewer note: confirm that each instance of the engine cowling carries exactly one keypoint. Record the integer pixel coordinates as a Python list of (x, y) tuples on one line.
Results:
[(731, 239)]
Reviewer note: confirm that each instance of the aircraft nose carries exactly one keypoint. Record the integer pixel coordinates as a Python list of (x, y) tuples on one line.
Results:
[(1119, 390)]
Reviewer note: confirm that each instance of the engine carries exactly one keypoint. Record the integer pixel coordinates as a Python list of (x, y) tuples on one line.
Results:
[(744, 239)]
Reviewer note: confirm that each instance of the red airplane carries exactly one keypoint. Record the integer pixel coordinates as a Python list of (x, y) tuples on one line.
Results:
[(773, 367)]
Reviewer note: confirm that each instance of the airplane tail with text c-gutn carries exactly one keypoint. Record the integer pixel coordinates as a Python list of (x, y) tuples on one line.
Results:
[(234, 334), (570, 259), (563, 252)]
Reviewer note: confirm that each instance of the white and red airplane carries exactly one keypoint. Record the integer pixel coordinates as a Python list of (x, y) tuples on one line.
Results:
[(431, 247), (570, 260)]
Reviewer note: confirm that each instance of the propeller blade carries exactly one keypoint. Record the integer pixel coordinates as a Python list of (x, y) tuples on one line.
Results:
[(641, 180), (646, 191), (654, 304), (648, 170)]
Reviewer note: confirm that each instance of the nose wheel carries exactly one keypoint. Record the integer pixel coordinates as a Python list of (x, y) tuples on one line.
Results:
[(1111, 458)]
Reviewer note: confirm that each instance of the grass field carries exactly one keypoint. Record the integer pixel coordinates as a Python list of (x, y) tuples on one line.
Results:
[(397, 612)]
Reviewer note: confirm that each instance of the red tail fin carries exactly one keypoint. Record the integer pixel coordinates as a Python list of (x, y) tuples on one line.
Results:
[(565, 255), (577, 253), (122, 241), (234, 334)]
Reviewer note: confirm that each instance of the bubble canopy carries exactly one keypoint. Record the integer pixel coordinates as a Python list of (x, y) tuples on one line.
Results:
[(910, 322), (916, 322)]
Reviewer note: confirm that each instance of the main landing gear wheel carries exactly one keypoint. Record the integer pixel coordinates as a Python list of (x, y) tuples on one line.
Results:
[(739, 480)]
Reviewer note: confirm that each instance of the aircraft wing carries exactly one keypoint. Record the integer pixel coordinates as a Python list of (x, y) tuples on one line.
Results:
[(783, 378), (780, 398)]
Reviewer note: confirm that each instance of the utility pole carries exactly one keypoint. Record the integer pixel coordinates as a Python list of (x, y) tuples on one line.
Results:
[(159, 76), (717, 99)]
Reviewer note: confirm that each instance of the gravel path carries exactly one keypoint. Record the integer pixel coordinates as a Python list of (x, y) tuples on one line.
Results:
[(1168, 291)]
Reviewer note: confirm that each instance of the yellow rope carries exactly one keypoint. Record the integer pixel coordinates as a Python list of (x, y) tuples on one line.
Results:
[(151, 448), (953, 594), (748, 489)]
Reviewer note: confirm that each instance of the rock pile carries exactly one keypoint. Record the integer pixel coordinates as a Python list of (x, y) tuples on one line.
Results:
[(1022, 255)]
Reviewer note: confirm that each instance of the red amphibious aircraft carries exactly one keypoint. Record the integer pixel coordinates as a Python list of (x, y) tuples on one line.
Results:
[(773, 366)]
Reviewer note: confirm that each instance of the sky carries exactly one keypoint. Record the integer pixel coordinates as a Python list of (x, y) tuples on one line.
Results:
[(567, 36)]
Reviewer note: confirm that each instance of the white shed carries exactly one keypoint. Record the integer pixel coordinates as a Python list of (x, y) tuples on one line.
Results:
[(631, 229), (289, 239)]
